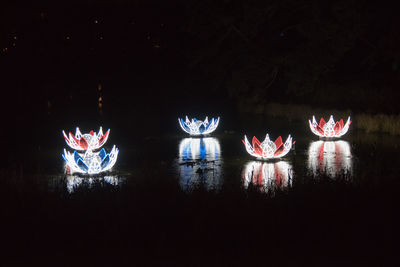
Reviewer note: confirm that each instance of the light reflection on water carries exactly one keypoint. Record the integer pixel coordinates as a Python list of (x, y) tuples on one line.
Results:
[(267, 175), (330, 157), (73, 182), (200, 162)]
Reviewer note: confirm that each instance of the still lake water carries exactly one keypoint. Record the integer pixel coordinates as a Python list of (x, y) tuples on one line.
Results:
[(221, 158)]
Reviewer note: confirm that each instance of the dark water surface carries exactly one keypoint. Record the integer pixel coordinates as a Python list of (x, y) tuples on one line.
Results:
[(203, 201), (221, 158)]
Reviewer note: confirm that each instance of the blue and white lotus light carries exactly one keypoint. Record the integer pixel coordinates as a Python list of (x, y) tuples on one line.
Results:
[(198, 127), (91, 162)]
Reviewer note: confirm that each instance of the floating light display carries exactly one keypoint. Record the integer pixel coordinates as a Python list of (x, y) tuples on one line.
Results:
[(330, 157), (330, 128), (199, 161), (267, 175), (89, 161), (198, 127), (268, 149), (90, 141)]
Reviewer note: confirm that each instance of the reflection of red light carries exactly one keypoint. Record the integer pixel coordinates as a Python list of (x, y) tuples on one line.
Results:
[(266, 174), (330, 157), (279, 179)]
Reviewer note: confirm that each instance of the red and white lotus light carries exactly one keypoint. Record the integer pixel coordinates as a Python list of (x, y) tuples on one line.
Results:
[(330, 128), (86, 141), (268, 149)]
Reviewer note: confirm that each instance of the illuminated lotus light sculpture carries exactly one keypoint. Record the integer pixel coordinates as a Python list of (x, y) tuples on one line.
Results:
[(91, 162), (330, 128), (268, 149), (86, 141), (198, 127)]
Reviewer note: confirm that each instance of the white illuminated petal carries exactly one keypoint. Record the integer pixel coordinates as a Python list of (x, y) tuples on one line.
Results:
[(78, 133), (181, 124), (249, 148), (345, 127)]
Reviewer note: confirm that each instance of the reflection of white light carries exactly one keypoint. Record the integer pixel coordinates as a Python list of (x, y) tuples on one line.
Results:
[(74, 181), (85, 141), (91, 162), (267, 174), (199, 148), (197, 127), (330, 128), (268, 149), (331, 158), (199, 160)]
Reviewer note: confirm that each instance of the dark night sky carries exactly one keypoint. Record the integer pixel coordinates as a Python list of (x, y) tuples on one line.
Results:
[(152, 57)]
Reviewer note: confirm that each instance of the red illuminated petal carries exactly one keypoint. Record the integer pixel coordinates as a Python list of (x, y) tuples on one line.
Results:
[(91, 132), (71, 136), (319, 129), (83, 143), (257, 146), (279, 150), (338, 126), (321, 123), (278, 141), (103, 138), (279, 146)]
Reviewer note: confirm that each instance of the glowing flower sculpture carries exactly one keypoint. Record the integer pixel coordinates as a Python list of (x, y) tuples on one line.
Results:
[(90, 140), (268, 149), (89, 161), (198, 127), (330, 128)]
